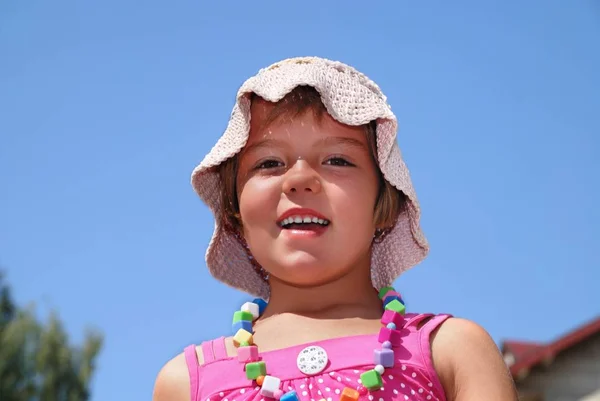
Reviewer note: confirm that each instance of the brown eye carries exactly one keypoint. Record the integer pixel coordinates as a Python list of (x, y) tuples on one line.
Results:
[(267, 164), (338, 161)]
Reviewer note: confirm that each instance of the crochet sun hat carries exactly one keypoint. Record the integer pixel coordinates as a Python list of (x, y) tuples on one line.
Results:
[(350, 98)]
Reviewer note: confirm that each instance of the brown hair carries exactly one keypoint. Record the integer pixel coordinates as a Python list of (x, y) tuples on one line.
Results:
[(390, 201)]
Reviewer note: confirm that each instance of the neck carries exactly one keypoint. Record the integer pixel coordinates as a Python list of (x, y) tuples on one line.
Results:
[(351, 295)]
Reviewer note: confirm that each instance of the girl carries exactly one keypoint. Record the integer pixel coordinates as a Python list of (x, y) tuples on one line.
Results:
[(315, 212)]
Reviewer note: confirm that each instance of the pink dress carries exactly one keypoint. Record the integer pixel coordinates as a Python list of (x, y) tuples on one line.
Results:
[(222, 378)]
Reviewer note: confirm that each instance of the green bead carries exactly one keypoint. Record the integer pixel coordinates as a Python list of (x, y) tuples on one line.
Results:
[(371, 379), (384, 291), (244, 344), (396, 306), (255, 369), (241, 315)]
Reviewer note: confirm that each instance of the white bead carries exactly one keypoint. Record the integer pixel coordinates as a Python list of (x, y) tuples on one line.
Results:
[(380, 369), (270, 386), (252, 308)]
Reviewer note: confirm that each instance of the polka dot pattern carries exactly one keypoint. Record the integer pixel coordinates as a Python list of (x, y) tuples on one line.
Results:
[(400, 383)]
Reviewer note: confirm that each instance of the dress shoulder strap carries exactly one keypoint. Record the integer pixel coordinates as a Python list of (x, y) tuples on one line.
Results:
[(191, 359), (214, 350), (424, 340), (220, 348)]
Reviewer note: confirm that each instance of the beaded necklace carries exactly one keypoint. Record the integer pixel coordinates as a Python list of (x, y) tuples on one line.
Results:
[(312, 360)]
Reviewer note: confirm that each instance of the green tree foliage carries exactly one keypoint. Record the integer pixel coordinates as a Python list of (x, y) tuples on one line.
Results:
[(37, 362)]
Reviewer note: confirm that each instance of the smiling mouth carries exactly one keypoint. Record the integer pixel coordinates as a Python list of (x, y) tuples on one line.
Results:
[(303, 223)]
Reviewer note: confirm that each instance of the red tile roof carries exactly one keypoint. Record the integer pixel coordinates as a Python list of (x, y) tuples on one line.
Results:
[(520, 349), (528, 355)]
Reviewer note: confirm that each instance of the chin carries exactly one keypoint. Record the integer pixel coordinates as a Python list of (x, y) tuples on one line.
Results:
[(302, 261), (306, 270)]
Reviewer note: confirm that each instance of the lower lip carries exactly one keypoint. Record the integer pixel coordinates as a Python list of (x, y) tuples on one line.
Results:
[(312, 233)]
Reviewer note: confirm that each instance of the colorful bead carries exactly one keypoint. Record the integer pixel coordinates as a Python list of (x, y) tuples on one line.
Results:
[(384, 357), (290, 396), (371, 379), (247, 353), (396, 306), (362, 390), (242, 315), (242, 325), (390, 316), (242, 336), (384, 291), (261, 305), (389, 336), (255, 369), (251, 308), (390, 298), (391, 293), (392, 336), (349, 394), (270, 386)]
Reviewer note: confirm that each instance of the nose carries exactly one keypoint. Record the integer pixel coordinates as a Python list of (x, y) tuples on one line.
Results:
[(301, 179)]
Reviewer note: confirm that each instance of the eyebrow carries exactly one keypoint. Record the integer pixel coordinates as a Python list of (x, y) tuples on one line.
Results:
[(342, 140), (327, 141), (263, 143)]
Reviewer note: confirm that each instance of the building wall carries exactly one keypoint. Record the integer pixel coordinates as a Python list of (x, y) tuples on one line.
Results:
[(572, 375)]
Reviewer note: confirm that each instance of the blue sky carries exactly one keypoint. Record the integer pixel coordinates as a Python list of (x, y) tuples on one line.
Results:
[(106, 107)]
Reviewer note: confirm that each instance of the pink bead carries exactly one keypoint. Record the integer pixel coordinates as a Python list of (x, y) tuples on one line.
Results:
[(247, 354), (391, 293), (277, 394), (389, 316), (393, 336), (362, 390)]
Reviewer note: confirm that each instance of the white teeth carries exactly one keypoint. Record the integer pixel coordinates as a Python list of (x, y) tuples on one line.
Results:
[(303, 220)]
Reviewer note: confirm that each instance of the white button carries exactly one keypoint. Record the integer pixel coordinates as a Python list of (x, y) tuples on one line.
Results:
[(312, 360)]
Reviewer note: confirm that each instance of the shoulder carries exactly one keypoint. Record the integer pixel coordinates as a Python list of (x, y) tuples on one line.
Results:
[(173, 380), (469, 363)]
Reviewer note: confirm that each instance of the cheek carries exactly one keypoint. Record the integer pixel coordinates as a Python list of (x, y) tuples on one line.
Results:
[(354, 205), (258, 200), (360, 195)]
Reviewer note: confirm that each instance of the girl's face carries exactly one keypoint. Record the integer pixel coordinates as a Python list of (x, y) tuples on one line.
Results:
[(307, 169)]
